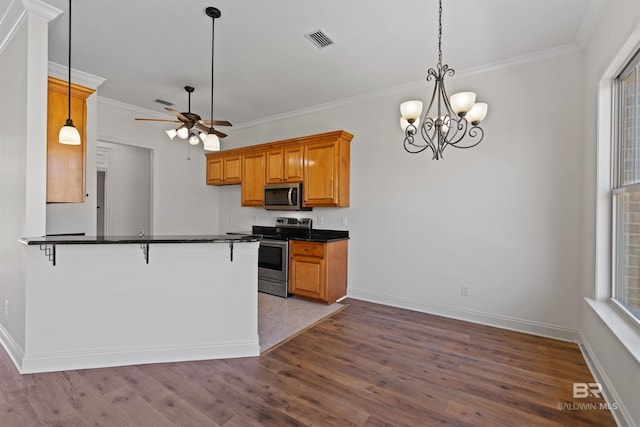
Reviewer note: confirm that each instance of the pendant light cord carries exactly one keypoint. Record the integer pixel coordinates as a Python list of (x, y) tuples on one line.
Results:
[(69, 66)]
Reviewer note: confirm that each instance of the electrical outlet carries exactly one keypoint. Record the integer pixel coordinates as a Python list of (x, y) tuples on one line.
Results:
[(6, 307), (464, 290), (345, 221), (320, 220)]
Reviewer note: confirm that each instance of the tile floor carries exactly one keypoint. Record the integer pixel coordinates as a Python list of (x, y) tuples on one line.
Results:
[(282, 318)]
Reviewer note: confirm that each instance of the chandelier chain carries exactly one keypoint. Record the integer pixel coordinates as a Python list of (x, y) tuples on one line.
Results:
[(440, 34)]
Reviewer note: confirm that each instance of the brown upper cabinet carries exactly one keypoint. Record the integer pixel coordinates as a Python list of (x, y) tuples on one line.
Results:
[(321, 162), (66, 164), (224, 170), (285, 164), (252, 191), (326, 172)]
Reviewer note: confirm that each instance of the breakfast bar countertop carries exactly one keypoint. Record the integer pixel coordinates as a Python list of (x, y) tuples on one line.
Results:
[(93, 240)]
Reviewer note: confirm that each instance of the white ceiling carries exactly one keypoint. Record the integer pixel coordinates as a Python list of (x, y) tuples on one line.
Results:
[(264, 66)]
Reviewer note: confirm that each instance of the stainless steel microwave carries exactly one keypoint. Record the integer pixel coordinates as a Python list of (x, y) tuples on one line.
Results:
[(283, 197)]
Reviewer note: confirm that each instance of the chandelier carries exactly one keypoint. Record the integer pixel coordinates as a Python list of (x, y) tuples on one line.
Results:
[(453, 119)]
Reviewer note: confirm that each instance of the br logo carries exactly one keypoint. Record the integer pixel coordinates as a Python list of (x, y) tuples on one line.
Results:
[(583, 390)]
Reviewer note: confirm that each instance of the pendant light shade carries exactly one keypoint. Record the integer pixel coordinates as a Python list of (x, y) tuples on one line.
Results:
[(69, 135), (212, 142)]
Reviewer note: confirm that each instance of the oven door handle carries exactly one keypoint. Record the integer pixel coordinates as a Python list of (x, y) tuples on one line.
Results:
[(290, 196)]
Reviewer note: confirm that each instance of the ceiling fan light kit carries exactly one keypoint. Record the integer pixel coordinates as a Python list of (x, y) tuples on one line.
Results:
[(455, 118), (69, 135), (191, 127)]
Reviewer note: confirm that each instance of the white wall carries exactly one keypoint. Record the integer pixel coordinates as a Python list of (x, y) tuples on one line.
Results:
[(13, 86), (502, 218), (182, 202)]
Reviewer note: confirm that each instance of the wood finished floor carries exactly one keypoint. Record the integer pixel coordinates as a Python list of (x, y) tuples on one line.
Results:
[(368, 365)]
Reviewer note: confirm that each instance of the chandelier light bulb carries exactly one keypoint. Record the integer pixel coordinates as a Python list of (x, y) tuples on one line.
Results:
[(194, 140), (411, 110), (477, 113), (183, 133), (462, 102)]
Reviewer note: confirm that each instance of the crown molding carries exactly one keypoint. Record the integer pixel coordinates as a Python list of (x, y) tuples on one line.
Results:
[(518, 61), (80, 77), (132, 108), (41, 9)]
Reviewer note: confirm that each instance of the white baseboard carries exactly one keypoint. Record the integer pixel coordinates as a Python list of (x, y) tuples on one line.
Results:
[(503, 322), (135, 356), (621, 414), (13, 349)]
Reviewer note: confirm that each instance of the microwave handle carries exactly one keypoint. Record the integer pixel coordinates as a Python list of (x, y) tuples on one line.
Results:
[(289, 196)]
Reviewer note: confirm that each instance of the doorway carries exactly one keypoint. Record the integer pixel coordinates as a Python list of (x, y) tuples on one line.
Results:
[(124, 189)]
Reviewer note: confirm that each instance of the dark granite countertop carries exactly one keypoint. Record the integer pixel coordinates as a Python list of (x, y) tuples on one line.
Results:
[(96, 240), (312, 235)]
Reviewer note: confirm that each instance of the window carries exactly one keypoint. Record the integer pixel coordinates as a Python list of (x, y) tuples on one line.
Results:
[(626, 191)]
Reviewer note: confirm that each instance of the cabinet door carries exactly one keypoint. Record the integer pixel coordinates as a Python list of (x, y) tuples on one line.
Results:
[(274, 166), (66, 164), (293, 165), (307, 277), (253, 179), (320, 172), (214, 171), (232, 170)]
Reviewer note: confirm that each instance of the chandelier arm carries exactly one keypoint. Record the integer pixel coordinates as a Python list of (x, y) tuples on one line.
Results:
[(429, 126), (474, 132), (409, 142), (459, 132)]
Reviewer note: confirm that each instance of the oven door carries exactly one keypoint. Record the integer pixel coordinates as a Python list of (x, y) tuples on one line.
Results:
[(273, 257)]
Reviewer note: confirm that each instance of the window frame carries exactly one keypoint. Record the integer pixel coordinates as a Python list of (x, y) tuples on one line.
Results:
[(618, 189)]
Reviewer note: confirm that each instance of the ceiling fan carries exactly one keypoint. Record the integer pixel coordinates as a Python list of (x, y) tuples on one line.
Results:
[(190, 124)]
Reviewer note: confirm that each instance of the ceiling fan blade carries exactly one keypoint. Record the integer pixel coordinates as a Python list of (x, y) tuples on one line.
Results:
[(202, 128), (215, 123), (207, 129), (220, 134), (177, 114), (158, 120)]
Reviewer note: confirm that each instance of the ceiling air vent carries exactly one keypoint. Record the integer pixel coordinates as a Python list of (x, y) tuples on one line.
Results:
[(163, 102), (320, 39)]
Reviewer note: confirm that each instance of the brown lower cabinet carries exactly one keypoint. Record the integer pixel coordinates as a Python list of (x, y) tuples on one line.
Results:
[(318, 270)]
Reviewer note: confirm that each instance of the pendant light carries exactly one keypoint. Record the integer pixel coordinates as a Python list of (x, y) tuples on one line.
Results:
[(212, 142), (69, 135)]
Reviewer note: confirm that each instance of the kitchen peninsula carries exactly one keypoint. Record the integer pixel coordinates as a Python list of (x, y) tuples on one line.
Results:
[(119, 300)]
